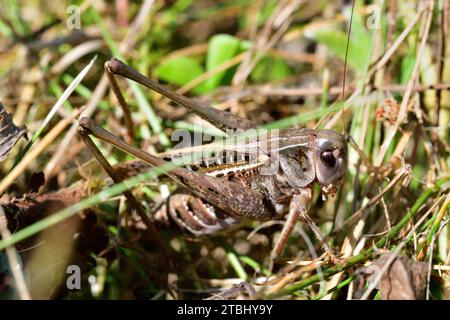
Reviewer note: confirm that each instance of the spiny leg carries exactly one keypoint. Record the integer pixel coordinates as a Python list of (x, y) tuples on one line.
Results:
[(298, 208), (220, 119), (155, 236), (319, 235), (288, 226)]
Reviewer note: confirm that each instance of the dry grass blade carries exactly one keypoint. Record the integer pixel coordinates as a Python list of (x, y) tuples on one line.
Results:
[(75, 54), (272, 32), (397, 43), (414, 76)]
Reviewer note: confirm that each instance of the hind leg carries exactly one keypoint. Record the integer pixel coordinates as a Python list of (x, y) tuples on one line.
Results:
[(192, 214)]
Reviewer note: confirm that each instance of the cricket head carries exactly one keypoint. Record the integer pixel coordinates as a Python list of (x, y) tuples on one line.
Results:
[(331, 160), (308, 156)]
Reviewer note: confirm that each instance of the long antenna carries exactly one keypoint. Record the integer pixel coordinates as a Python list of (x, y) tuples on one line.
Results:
[(345, 61)]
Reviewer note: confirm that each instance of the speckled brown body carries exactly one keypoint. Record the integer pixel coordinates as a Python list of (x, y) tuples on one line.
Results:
[(293, 149), (265, 175)]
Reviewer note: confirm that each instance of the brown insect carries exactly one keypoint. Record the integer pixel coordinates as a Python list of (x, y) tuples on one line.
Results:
[(265, 177)]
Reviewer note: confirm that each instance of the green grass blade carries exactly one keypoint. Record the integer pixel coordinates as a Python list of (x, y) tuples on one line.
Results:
[(237, 266)]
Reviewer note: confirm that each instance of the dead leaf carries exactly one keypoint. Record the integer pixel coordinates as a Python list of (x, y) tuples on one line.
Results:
[(73, 241), (31, 208), (404, 279), (9, 133)]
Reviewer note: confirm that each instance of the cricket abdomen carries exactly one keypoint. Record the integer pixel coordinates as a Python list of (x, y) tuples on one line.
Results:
[(194, 215)]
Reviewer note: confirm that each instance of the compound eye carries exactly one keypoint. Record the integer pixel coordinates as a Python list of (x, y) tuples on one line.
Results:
[(328, 158)]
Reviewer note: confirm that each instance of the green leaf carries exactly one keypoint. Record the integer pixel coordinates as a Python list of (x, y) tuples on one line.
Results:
[(180, 71), (336, 41), (270, 69), (222, 48)]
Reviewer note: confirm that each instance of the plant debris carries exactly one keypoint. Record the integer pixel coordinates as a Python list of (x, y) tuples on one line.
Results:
[(9, 133), (401, 279)]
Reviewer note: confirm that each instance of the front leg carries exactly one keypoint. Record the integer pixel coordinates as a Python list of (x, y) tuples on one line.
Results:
[(299, 203), (299, 208)]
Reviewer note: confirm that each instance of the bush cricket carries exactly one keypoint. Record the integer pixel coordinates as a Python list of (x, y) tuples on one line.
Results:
[(219, 193)]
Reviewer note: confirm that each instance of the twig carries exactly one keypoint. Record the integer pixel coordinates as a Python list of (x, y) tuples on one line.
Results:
[(386, 214), (272, 32), (266, 90), (392, 49), (14, 264), (404, 173)]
